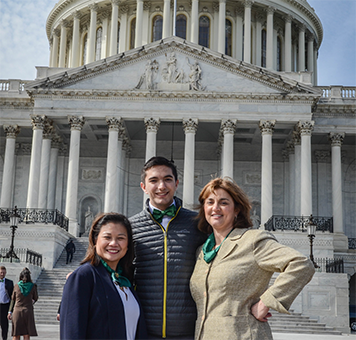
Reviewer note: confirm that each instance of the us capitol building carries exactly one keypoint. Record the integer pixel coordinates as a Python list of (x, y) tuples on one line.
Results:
[(228, 88)]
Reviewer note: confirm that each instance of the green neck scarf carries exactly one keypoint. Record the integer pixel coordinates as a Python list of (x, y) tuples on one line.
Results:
[(25, 287), (208, 247), (116, 276)]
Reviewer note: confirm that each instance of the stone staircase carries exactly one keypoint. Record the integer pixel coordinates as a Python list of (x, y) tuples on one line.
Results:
[(51, 282), (296, 323)]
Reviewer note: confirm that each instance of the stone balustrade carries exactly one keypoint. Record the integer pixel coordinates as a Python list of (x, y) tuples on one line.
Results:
[(338, 92)]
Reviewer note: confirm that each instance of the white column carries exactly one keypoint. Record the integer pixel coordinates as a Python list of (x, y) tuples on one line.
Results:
[(322, 159), (33, 181), (53, 166), (301, 48), (111, 183), (92, 34), (54, 60), (215, 27), (152, 126), (45, 163), (294, 55), (258, 35), (336, 140), (228, 127), (75, 39), (306, 204), (104, 36), (290, 147), (125, 149), (247, 40), (126, 181), (195, 22), (297, 172), (63, 44), (311, 56), (269, 40), (166, 18), (76, 124), (146, 14), (62, 165), (266, 128), (123, 26), (190, 127), (239, 32), (315, 75), (221, 31), (286, 181), (220, 151), (114, 26), (288, 43), (139, 17), (11, 132)]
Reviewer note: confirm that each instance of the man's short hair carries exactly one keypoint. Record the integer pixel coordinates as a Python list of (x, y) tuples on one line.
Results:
[(2, 268), (158, 160)]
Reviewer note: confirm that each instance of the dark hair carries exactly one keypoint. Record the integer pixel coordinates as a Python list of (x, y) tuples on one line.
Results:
[(158, 160), (25, 275), (239, 197), (101, 220)]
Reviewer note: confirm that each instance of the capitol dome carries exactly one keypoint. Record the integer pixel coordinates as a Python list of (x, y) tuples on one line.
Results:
[(280, 35)]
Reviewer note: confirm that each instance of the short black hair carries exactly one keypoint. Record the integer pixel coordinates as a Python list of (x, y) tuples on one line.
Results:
[(158, 160)]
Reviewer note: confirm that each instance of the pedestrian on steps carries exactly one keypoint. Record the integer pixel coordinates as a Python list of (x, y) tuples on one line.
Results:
[(70, 249)]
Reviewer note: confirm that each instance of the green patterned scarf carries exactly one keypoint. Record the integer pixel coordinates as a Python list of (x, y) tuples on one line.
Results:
[(116, 275), (25, 287), (208, 247)]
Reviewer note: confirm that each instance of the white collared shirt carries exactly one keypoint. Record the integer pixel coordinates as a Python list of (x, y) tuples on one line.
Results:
[(4, 298), (166, 218)]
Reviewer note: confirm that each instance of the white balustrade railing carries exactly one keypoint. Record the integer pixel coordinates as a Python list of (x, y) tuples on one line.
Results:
[(341, 92), (13, 85)]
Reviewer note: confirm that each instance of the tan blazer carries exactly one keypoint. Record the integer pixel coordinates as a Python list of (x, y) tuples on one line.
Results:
[(225, 289)]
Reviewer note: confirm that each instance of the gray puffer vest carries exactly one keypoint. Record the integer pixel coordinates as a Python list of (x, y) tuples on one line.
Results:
[(164, 262)]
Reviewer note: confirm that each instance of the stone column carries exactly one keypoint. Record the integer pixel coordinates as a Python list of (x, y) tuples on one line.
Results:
[(306, 206), (125, 147), (228, 127), (76, 124), (336, 140), (53, 165), (297, 172), (114, 26), (195, 22), (92, 33), (301, 49), (269, 40), (123, 24), (290, 147), (239, 32), (315, 75), (258, 35), (146, 22), (63, 44), (220, 151), (75, 40), (322, 158), (111, 183), (247, 22), (45, 163), (11, 132), (266, 128), (311, 55), (190, 127), (166, 29), (33, 181), (104, 37), (139, 18), (286, 181), (127, 151), (288, 43), (54, 61), (62, 165), (152, 126), (222, 24)]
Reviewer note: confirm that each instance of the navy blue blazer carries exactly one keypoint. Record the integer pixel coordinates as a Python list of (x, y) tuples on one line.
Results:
[(91, 307)]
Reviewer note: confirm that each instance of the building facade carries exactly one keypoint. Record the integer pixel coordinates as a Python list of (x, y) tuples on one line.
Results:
[(232, 93)]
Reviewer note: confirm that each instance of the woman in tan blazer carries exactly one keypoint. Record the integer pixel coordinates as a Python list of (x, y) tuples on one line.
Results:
[(234, 266)]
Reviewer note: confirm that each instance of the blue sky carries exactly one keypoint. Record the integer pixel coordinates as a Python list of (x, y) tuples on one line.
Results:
[(24, 44)]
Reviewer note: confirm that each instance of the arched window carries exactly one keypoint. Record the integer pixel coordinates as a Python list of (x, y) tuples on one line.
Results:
[(204, 31), (157, 25), (279, 54), (132, 33), (181, 26), (85, 47), (99, 34), (263, 47), (228, 37), (118, 37)]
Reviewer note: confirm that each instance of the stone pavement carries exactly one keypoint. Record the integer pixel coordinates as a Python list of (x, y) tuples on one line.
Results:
[(51, 332)]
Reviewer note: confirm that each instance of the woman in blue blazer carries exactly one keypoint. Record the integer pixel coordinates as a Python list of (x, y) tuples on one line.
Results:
[(98, 300)]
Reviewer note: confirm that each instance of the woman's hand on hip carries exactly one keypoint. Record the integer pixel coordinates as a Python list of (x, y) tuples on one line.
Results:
[(260, 311)]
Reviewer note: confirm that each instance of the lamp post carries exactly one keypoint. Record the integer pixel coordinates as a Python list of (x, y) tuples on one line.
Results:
[(311, 234), (14, 220)]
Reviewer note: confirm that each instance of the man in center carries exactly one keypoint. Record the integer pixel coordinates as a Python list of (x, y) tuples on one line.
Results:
[(166, 238)]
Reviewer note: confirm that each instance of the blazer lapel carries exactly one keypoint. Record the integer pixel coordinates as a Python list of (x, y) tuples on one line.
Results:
[(231, 242)]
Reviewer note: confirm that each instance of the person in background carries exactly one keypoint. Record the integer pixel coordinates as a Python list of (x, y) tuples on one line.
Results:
[(166, 238), (98, 300), (230, 282), (21, 308), (70, 249), (6, 289)]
